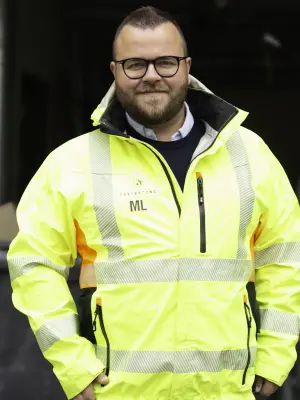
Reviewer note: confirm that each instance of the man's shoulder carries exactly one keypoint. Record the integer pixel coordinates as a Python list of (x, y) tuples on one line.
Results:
[(78, 144), (73, 154), (253, 142), (249, 135), (257, 149)]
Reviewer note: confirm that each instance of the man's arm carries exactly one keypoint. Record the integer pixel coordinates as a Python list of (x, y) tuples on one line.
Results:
[(277, 262), (39, 259)]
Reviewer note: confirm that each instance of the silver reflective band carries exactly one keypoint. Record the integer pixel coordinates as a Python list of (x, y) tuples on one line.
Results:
[(178, 362), (280, 322), (287, 253), (239, 158), (101, 169), (19, 266), (172, 270), (57, 329)]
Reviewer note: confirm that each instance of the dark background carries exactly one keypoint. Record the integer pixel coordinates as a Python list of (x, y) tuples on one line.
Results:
[(56, 71)]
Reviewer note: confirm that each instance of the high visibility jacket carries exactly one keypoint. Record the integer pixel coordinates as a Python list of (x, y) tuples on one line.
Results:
[(167, 268)]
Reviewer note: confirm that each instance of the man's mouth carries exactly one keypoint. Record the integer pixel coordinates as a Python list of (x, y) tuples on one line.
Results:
[(152, 92)]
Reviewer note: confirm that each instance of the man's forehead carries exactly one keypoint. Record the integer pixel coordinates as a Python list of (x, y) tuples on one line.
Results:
[(138, 42)]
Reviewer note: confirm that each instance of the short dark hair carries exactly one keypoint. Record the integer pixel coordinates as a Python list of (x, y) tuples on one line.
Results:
[(149, 17)]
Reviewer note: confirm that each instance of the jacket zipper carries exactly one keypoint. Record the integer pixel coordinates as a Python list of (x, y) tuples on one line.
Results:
[(202, 214), (249, 323), (169, 179), (99, 314)]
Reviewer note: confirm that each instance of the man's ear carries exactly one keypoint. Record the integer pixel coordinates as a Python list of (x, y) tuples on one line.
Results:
[(188, 64), (113, 68)]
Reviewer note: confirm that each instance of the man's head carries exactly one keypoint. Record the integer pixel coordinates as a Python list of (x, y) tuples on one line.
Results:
[(152, 94)]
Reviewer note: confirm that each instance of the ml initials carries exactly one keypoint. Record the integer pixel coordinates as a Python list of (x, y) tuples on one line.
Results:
[(137, 206)]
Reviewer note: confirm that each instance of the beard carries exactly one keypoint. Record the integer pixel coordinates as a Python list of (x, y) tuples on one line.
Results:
[(152, 109)]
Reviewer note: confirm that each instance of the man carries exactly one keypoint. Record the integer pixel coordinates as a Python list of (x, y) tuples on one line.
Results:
[(173, 208)]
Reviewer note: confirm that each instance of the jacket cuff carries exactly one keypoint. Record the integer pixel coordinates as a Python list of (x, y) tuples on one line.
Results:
[(80, 376), (270, 372)]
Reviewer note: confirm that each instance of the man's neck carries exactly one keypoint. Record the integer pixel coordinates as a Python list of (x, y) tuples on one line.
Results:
[(165, 131)]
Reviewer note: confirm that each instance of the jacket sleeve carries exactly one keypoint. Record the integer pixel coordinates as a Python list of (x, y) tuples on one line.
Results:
[(277, 270), (39, 259)]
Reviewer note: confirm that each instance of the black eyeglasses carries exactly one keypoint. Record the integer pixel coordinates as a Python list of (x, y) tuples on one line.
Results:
[(136, 68)]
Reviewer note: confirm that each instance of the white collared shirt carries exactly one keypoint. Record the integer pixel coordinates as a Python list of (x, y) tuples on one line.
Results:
[(150, 134)]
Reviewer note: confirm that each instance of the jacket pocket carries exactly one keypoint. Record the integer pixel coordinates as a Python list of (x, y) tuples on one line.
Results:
[(202, 213), (249, 324), (99, 315)]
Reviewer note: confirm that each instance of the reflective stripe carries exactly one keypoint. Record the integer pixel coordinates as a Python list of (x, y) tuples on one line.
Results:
[(172, 270), (19, 266), (281, 253), (277, 321), (101, 169), (178, 362), (238, 154), (56, 329)]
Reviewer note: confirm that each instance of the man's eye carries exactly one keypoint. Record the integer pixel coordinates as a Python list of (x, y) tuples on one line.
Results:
[(166, 63), (135, 65)]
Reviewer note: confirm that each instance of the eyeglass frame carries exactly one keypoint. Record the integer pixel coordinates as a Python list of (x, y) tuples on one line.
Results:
[(150, 61)]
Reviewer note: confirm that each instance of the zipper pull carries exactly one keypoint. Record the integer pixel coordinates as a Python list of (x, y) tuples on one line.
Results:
[(97, 312), (95, 318), (248, 314), (200, 190)]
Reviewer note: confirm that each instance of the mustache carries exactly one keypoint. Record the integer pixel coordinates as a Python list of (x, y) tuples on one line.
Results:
[(150, 90)]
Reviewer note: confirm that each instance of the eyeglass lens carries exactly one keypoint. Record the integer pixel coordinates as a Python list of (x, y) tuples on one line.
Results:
[(165, 67)]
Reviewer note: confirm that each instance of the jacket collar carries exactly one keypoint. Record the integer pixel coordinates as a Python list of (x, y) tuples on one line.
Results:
[(204, 105)]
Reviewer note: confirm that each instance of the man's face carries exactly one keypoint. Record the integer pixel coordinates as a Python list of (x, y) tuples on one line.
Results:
[(152, 99)]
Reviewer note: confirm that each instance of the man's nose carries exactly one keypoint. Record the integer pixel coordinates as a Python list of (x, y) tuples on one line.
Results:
[(151, 74)]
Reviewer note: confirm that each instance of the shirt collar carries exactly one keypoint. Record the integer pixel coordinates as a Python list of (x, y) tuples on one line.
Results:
[(150, 134)]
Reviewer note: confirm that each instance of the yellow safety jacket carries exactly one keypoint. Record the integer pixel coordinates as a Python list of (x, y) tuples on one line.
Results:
[(167, 269)]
